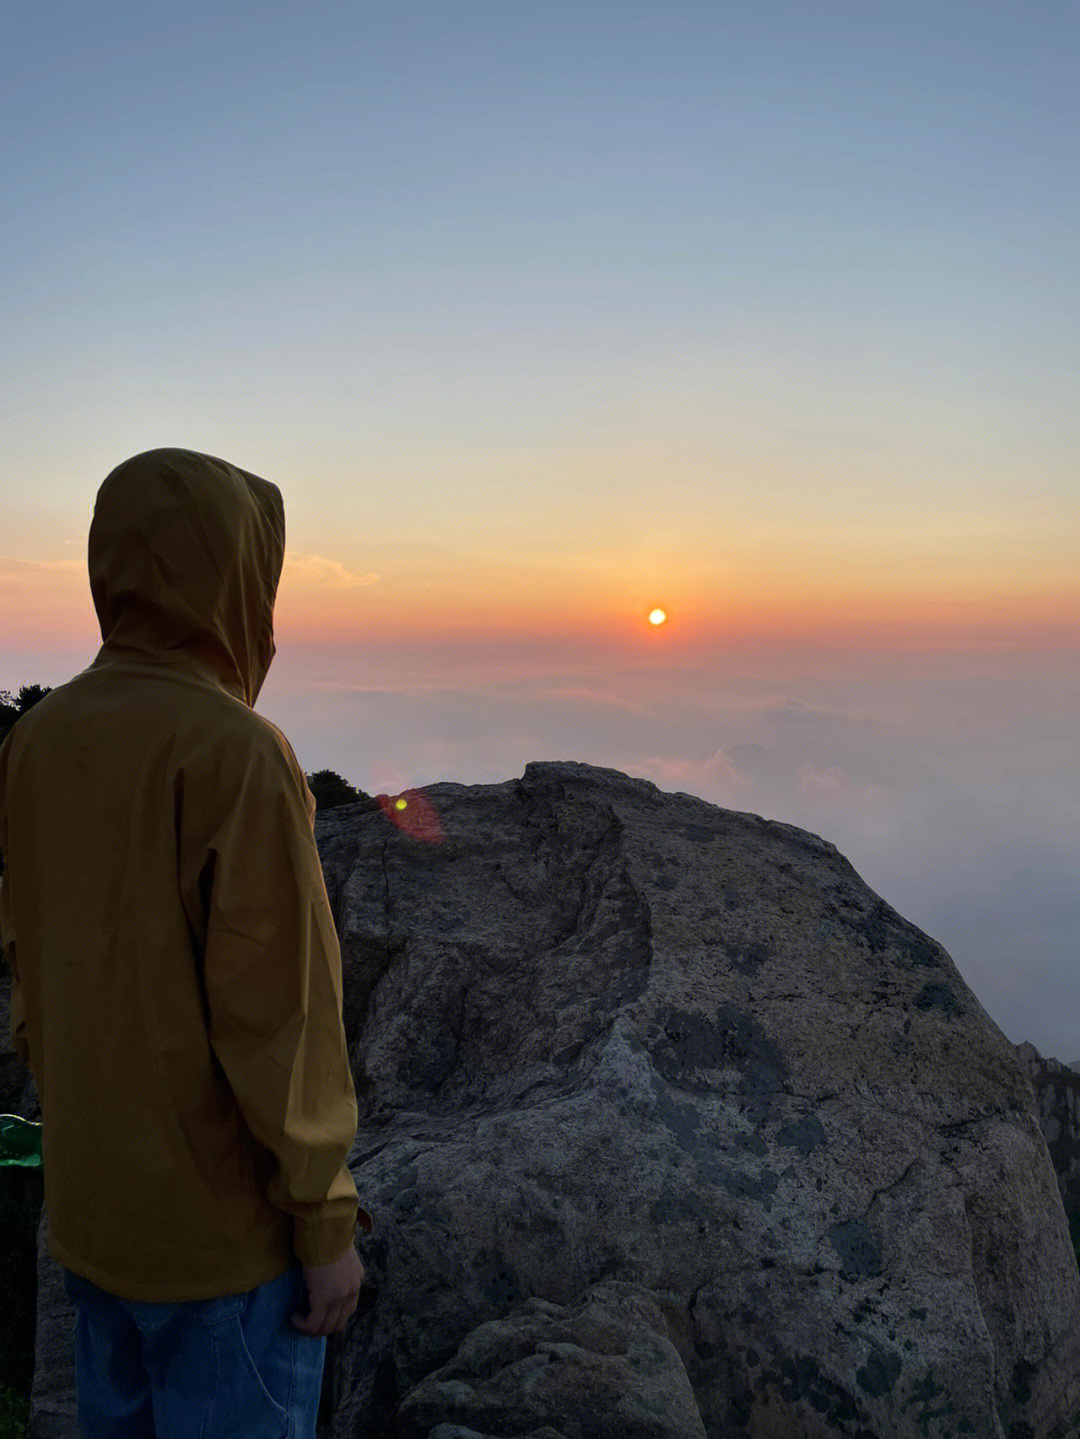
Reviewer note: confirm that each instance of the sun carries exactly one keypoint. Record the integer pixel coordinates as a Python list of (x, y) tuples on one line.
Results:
[(657, 617)]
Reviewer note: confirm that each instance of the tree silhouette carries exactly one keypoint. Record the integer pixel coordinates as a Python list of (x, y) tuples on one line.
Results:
[(13, 709), (331, 790)]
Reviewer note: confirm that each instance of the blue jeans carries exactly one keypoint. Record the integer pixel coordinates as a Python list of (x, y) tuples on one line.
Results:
[(228, 1368)]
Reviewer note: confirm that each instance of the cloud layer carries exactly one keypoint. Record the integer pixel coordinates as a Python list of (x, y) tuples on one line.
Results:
[(950, 782)]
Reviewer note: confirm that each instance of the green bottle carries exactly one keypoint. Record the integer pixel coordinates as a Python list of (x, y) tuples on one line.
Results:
[(20, 1141)]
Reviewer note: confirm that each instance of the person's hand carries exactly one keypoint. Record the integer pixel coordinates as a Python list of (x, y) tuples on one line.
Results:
[(333, 1290)]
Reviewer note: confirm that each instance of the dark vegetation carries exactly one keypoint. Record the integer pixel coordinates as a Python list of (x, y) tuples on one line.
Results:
[(13, 709), (331, 790)]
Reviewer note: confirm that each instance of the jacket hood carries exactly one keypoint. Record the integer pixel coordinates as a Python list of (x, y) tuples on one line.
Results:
[(185, 554)]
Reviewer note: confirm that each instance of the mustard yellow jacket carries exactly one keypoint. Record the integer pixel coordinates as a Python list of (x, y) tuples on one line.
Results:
[(176, 975)]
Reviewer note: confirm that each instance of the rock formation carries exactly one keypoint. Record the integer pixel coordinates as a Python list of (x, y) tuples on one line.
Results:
[(1057, 1102), (671, 1127)]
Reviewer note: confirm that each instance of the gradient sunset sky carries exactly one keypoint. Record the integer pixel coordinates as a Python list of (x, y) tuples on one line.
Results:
[(542, 315)]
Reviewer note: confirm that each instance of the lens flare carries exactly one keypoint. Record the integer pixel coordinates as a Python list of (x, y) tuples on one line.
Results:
[(413, 813)]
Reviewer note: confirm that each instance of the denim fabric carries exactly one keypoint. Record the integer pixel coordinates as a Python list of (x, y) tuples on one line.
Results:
[(228, 1368)]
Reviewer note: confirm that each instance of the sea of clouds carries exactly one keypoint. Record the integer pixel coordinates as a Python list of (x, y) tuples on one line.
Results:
[(951, 781)]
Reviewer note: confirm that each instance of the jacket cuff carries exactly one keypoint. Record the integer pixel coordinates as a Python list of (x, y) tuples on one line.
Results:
[(321, 1240)]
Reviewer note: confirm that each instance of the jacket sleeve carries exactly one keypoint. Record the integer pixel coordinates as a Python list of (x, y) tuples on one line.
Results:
[(7, 943), (272, 971)]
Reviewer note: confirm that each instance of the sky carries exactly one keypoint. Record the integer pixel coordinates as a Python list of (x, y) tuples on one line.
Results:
[(545, 315)]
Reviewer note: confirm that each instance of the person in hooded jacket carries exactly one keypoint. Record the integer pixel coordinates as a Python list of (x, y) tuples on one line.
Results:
[(176, 980)]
